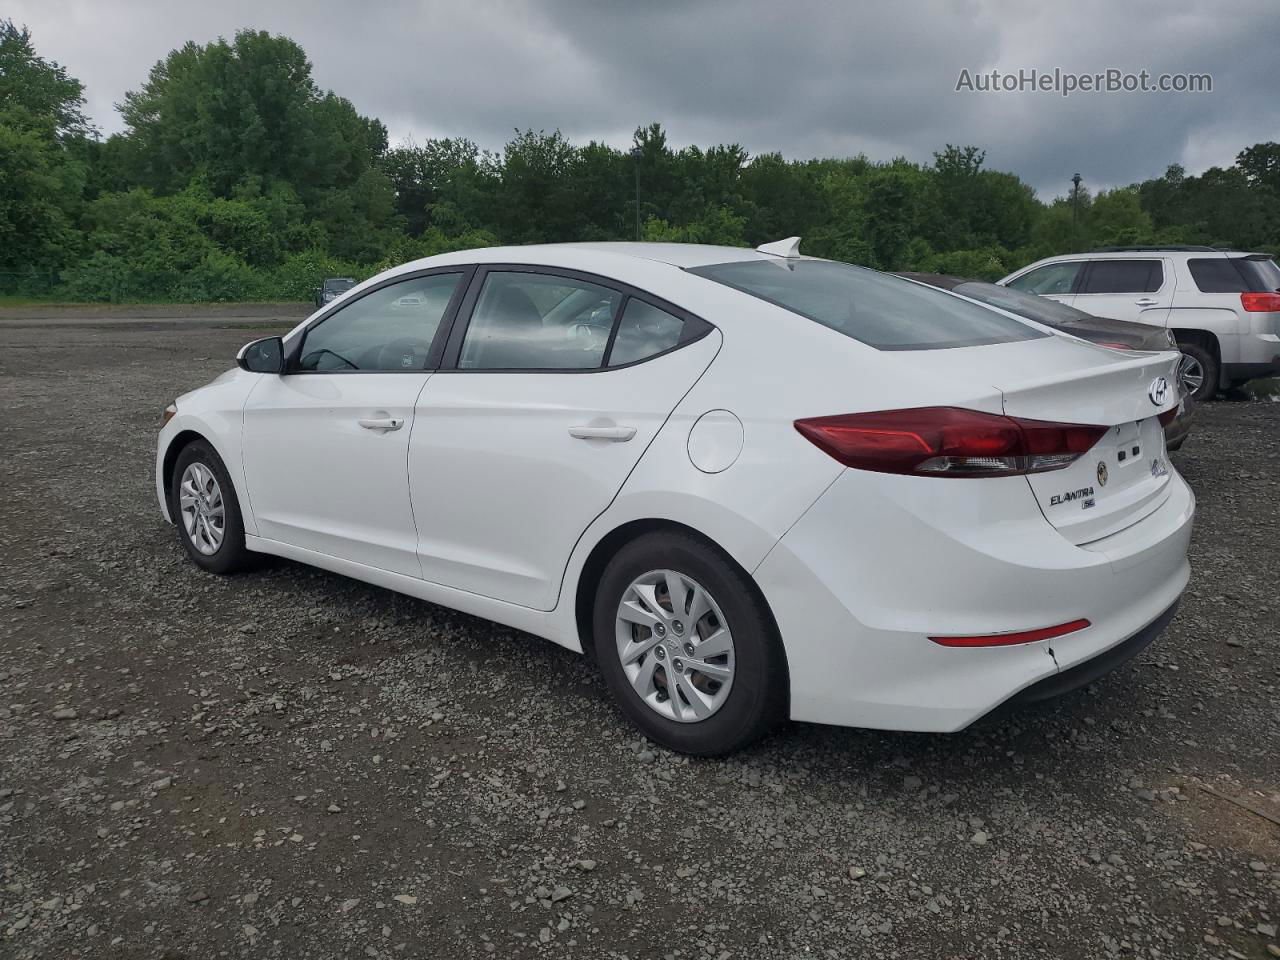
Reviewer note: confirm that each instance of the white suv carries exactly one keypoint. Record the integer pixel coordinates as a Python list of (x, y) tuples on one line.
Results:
[(1222, 306)]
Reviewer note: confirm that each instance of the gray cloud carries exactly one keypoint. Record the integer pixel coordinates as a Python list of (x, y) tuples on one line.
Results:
[(802, 77)]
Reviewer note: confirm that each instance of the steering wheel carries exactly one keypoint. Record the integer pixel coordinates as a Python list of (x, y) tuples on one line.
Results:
[(392, 356)]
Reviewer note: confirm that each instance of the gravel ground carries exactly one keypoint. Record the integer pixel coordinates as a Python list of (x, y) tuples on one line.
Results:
[(292, 764)]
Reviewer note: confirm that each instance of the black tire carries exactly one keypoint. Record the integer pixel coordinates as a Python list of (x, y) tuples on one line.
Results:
[(1208, 364), (231, 555), (757, 697)]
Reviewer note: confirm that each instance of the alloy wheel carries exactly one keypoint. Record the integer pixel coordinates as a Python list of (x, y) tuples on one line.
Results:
[(1191, 373), (203, 511), (675, 646)]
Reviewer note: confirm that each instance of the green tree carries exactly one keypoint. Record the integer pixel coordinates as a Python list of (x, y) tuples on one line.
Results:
[(37, 89)]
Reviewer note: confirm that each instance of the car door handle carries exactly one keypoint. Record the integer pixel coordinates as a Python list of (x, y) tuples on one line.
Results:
[(616, 434), (1146, 302), (386, 424)]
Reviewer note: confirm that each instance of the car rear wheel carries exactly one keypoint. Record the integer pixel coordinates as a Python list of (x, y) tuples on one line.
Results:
[(686, 646), (204, 507), (1198, 371)]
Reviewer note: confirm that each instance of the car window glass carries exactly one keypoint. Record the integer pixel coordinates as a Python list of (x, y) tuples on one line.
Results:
[(388, 329), (1216, 275), (530, 321), (1039, 309), (644, 331), (878, 309), (1052, 278), (1124, 276), (1235, 274)]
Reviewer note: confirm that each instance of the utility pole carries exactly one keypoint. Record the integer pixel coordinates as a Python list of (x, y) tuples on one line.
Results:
[(636, 153), (1075, 200)]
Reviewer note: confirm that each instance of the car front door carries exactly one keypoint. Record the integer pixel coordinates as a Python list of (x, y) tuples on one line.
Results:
[(325, 443), (1139, 290), (1057, 281), (547, 398)]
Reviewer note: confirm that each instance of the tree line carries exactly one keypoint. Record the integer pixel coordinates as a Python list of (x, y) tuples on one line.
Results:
[(237, 178)]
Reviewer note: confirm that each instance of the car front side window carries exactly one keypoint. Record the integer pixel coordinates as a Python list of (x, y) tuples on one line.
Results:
[(389, 329), (1053, 279)]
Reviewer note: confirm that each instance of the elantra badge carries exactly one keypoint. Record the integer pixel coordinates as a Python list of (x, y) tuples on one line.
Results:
[(1158, 391), (1102, 474)]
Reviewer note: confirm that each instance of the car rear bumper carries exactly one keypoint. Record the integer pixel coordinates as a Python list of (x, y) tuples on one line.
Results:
[(880, 564), (1098, 666)]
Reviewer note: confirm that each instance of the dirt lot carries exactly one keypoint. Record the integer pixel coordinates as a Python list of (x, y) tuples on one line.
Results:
[(290, 764)]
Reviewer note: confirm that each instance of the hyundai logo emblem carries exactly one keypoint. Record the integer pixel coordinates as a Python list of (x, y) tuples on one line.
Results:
[(1102, 474), (1158, 391)]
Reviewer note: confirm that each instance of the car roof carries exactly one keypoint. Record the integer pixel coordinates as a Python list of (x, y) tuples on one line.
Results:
[(1139, 253), (675, 254)]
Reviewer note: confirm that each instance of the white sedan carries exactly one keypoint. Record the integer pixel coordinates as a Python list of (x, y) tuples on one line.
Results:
[(750, 484)]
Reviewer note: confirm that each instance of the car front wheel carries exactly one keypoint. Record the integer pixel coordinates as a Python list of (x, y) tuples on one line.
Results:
[(686, 646), (204, 507)]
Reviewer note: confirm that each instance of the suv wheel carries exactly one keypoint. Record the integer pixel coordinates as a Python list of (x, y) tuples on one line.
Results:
[(1199, 370)]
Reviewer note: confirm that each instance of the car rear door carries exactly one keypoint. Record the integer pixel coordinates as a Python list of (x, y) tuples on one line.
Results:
[(1139, 290), (553, 385), (325, 443)]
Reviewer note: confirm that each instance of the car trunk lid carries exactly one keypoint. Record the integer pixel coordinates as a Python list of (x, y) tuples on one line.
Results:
[(1125, 475), (1072, 381)]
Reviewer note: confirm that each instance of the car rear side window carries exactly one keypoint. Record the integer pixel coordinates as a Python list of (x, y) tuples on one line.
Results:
[(643, 332), (1124, 276), (1235, 274), (877, 309), (532, 321)]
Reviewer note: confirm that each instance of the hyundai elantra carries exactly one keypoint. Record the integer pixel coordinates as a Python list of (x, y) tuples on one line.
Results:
[(750, 484)]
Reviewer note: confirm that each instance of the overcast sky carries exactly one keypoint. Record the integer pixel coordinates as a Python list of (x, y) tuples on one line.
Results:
[(804, 78)]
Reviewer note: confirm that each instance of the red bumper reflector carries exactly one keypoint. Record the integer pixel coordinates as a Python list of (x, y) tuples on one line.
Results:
[(1006, 639)]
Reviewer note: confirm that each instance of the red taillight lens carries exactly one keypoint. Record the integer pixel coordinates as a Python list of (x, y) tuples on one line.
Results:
[(949, 442), (1008, 639), (1170, 415), (1114, 346), (1261, 302)]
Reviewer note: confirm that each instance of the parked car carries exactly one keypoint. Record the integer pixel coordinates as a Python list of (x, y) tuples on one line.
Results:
[(332, 288), (1223, 306), (1116, 334), (752, 484)]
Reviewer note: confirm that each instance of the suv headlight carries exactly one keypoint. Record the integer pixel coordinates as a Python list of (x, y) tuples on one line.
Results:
[(1173, 341)]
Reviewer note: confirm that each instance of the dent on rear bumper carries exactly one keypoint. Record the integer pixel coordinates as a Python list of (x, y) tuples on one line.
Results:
[(879, 564)]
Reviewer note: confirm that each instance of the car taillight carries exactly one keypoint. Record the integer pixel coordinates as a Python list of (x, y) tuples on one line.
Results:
[(1114, 346), (1261, 302), (1008, 639), (1170, 415), (949, 442)]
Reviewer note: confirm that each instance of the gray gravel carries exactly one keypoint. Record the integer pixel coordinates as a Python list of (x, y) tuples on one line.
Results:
[(291, 764)]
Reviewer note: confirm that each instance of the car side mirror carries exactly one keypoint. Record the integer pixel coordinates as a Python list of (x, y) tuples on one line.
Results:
[(262, 356)]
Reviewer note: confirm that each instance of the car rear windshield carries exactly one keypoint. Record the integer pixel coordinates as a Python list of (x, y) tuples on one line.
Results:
[(1040, 309), (1235, 274), (877, 309)]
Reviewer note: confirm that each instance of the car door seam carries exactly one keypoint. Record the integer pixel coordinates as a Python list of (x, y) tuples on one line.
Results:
[(408, 477), (564, 572)]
